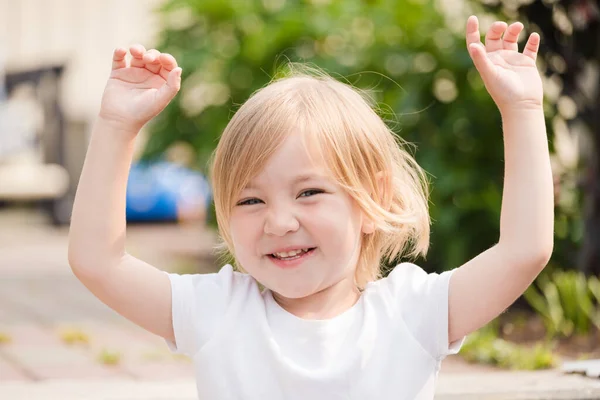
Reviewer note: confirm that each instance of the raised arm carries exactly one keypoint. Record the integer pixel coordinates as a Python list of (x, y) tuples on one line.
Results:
[(133, 95), (485, 286)]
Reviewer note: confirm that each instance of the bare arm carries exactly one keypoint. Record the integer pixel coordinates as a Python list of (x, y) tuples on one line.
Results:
[(485, 286), (96, 251)]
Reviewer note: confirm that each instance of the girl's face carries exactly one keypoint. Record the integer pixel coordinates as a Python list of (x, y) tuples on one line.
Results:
[(293, 228)]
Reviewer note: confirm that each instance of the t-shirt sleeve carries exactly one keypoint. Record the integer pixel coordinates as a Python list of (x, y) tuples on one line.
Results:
[(199, 303), (422, 301)]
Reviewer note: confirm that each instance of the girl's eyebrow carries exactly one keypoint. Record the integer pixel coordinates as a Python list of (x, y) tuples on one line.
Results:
[(308, 177), (298, 179)]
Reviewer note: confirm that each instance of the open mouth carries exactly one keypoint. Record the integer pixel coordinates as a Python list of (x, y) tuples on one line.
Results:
[(292, 255)]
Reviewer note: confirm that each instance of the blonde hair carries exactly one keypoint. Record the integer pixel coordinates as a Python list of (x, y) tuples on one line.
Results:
[(340, 126)]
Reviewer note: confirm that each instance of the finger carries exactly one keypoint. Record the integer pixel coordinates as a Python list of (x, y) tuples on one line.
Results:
[(532, 46), (152, 61), (481, 60), (137, 53), (170, 88), (473, 35), (168, 63), (493, 37), (511, 36), (151, 56), (118, 60)]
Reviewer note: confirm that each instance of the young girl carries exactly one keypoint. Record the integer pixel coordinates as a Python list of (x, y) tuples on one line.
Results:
[(311, 192)]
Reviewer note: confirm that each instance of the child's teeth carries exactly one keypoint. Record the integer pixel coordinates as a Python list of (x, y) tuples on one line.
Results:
[(287, 254)]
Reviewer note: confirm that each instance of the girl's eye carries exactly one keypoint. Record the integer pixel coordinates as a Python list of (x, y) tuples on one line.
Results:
[(310, 192), (249, 202), (253, 201)]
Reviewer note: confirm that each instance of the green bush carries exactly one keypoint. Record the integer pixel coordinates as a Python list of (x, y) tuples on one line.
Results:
[(567, 301), (484, 346), (411, 53)]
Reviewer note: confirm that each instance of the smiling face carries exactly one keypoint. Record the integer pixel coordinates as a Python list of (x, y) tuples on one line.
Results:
[(294, 205), (262, 206)]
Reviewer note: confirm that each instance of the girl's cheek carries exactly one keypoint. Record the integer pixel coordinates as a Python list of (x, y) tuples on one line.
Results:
[(253, 224)]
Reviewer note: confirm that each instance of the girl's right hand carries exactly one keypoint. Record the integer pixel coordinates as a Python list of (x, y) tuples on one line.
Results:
[(137, 93)]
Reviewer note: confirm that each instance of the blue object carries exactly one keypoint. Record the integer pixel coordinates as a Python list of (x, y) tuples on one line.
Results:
[(159, 191)]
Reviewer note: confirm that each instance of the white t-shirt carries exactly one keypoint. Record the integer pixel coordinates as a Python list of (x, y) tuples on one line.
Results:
[(389, 345)]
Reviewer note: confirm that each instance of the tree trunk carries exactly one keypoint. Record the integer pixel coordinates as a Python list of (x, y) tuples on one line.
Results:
[(590, 252)]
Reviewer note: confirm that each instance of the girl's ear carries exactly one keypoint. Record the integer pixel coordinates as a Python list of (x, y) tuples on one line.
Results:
[(368, 226)]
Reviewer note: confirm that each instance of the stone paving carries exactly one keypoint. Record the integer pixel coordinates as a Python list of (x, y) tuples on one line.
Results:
[(57, 341), (550, 385), (51, 327)]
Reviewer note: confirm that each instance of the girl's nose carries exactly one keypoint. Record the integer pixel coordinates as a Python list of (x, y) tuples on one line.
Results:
[(281, 221)]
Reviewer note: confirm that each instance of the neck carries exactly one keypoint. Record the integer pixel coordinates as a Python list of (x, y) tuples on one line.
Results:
[(327, 303)]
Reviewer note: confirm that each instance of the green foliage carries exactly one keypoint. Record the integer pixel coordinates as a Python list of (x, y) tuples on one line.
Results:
[(567, 301), (409, 54), (484, 346), (594, 286)]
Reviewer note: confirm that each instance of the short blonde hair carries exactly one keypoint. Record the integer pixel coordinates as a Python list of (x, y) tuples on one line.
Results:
[(340, 125)]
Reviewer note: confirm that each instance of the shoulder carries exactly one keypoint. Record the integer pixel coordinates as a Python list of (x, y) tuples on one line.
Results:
[(225, 283), (201, 302), (410, 281), (420, 301), (407, 275), (406, 272)]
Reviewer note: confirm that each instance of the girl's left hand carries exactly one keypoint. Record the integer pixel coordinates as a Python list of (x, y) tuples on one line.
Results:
[(511, 78)]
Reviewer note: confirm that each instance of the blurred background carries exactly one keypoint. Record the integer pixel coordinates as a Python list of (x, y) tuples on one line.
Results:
[(410, 54)]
